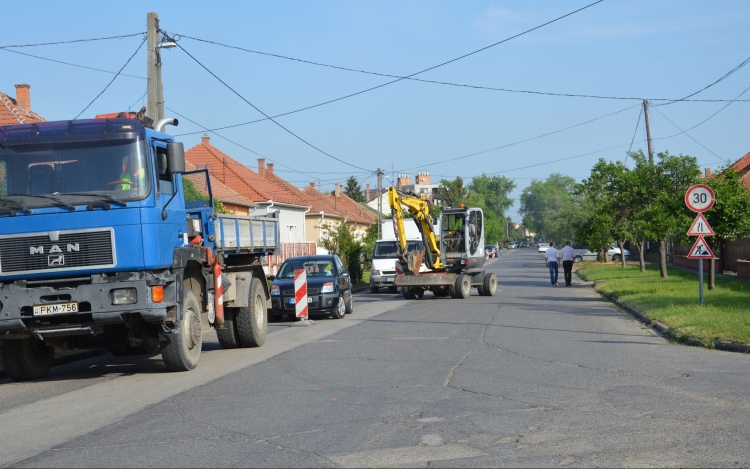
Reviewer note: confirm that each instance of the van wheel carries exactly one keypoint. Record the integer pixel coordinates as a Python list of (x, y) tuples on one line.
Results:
[(228, 337), (374, 289), (182, 349), (251, 321), (26, 359)]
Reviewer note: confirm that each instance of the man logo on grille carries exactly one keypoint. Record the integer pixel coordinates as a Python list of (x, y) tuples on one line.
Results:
[(55, 260), (54, 249)]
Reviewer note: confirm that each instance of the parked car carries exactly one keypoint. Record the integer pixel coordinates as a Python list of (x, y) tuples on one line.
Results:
[(524, 244), (542, 247), (329, 287), (582, 253), (513, 245), (490, 250)]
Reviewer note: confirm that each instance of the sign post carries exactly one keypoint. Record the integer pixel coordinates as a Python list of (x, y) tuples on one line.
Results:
[(699, 198)]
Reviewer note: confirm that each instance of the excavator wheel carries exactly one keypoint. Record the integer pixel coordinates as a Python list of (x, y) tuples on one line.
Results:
[(408, 294), (440, 292), (462, 288), (489, 285), (418, 293)]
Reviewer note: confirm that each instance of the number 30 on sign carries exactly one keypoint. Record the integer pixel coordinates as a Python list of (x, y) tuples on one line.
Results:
[(699, 198)]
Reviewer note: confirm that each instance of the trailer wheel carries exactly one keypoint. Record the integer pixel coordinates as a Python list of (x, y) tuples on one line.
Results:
[(228, 337), (408, 294), (182, 349), (251, 321), (462, 288), (26, 359), (417, 293), (489, 285)]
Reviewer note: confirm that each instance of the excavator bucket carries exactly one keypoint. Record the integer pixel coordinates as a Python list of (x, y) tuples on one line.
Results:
[(414, 262), (426, 279)]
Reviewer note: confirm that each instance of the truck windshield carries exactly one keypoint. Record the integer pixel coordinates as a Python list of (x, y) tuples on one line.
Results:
[(69, 174), (389, 249)]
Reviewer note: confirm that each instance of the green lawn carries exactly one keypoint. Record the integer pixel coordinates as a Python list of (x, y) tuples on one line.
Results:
[(674, 301)]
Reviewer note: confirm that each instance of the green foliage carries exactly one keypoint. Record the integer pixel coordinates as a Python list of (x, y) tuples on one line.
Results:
[(192, 194), (354, 190), (549, 207), (453, 193), (729, 215), (341, 241)]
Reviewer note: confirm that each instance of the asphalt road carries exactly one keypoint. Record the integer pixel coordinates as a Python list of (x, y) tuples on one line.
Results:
[(536, 376)]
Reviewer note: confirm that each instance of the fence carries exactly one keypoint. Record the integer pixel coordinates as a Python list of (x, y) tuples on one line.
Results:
[(738, 249), (287, 250)]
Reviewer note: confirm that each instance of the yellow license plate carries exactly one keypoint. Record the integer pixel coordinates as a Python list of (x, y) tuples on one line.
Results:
[(60, 308)]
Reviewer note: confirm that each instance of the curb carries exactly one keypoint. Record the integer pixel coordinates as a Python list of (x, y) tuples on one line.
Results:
[(663, 329), (69, 358)]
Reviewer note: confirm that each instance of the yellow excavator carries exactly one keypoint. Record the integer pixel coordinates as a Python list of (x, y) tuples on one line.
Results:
[(453, 250)]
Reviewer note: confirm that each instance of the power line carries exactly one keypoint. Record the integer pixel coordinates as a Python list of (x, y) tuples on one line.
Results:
[(266, 115), (139, 99), (238, 144), (518, 142), (112, 80), (712, 115), (71, 64), (413, 74), (74, 40), (637, 124), (725, 76), (683, 132), (461, 85)]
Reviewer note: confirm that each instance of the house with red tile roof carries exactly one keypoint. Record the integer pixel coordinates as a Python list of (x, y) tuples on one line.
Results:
[(335, 208), (269, 198), (742, 166), (18, 110)]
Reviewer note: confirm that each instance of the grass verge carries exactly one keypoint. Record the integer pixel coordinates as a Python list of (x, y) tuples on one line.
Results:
[(674, 301)]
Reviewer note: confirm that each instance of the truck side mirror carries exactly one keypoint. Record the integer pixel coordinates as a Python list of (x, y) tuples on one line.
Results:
[(176, 157)]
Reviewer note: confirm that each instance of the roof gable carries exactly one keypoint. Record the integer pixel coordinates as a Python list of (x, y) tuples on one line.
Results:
[(11, 113)]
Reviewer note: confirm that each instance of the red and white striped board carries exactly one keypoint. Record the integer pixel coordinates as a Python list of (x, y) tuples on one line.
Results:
[(300, 293)]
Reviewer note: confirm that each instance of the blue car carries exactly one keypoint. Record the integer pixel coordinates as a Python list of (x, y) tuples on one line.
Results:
[(329, 287)]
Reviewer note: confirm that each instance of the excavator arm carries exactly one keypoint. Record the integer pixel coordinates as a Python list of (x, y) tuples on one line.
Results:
[(420, 210)]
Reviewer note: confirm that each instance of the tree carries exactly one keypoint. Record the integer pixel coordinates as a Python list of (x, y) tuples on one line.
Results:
[(453, 193), (354, 190), (340, 240), (491, 194), (546, 205), (728, 217), (192, 194)]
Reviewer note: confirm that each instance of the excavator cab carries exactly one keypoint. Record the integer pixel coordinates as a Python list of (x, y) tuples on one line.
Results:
[(462, 238)]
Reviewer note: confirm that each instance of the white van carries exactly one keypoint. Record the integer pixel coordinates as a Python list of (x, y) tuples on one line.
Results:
[(384, 258)]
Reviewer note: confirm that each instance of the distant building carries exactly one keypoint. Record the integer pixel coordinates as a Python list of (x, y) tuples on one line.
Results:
[(422, 186)]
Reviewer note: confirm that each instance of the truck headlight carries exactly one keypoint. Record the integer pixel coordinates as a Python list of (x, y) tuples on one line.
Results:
[(375, 272), (275, 290), (124, 296), (327, 288)]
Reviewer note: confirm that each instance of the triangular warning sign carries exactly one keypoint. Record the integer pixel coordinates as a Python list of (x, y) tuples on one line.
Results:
[(700, 250), (700, 227)]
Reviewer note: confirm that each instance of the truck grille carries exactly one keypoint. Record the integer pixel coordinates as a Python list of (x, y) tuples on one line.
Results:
[(73, 250)]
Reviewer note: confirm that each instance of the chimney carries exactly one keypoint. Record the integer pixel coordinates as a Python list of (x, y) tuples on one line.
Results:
[(312, 184), (205, 140), (270, 168), (367, 193), (708, 172), (262, 167), (23, 97)]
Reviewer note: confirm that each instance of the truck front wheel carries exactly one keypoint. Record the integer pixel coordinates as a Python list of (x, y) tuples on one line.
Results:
[(183, 346), (251, 321), (25, 359)]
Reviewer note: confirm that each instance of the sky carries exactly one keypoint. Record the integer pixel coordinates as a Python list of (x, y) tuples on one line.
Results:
[(617, 48)]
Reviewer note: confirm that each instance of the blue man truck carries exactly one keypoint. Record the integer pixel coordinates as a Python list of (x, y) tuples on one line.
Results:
[(107, 242)]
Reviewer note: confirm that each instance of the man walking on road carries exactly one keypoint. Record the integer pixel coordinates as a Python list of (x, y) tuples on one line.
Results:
[(550, 260), (568, 254)]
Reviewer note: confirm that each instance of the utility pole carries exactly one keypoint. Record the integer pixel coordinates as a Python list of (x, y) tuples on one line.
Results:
[(648, 133), (153, 67), (380, 201)]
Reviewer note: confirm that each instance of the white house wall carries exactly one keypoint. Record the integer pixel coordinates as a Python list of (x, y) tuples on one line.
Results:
[(291, 222)]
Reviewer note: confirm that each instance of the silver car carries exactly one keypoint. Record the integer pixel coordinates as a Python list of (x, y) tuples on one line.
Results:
[(582, 253)]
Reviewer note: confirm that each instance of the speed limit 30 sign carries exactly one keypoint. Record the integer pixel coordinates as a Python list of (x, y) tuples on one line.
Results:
[(699, 198)]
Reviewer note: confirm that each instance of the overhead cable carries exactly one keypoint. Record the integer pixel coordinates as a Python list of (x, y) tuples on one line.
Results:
[(112, 80), (462, 85), (725, 76), (266, 115), (416, 73), (75, 40), (206, 129), (684, 132), (72, 64)]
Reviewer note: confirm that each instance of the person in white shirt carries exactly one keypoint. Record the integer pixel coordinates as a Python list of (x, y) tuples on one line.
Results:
[(550, 260), (568, 254)]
